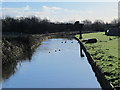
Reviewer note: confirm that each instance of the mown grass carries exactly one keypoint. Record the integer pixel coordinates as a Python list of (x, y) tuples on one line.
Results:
[(105, 54)]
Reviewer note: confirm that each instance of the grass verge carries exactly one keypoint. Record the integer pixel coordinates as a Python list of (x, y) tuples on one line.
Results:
[(105, 54)]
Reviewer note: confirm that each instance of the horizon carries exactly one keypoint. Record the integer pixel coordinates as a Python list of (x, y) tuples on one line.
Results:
[(62, 11)]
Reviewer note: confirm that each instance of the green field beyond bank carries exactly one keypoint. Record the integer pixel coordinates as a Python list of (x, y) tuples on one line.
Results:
[(105, 54)]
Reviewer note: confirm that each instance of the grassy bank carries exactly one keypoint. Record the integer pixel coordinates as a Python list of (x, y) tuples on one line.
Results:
[(105, 54), (16, 47), (13, 49)]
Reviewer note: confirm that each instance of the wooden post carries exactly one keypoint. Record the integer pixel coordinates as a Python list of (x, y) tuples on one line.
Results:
[(81, 47), (79, 27), (80, 30)]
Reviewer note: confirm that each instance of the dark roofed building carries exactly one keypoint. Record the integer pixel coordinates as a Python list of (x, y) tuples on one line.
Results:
[(113, 32)]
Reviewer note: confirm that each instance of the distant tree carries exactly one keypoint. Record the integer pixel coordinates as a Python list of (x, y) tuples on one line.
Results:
[(87, 22), (34, 25), (87, 25), (98, 25), (119, 22), (98, 22), (114, 22)]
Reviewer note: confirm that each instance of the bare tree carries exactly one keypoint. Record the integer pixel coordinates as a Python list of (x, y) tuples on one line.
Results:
[(87, 22), (114, 22)]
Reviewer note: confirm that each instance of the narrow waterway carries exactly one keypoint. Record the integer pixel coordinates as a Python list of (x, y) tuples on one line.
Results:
[(56, 63)]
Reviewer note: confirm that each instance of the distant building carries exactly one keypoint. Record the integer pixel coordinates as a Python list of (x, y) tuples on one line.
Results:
[(113, 32)]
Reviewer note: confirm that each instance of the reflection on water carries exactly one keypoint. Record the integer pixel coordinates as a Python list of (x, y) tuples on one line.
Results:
[(9, 69), (56, 63)]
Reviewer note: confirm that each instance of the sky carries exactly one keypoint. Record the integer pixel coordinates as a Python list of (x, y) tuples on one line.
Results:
[(62, 11)]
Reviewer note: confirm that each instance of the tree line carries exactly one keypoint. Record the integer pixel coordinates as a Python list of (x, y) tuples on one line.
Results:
[(34, 25)]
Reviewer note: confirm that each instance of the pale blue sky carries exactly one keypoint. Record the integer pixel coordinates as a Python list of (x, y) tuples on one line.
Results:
[(63, 11)]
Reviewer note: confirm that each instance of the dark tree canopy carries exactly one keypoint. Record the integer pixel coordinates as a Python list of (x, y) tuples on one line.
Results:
[(34, 25)]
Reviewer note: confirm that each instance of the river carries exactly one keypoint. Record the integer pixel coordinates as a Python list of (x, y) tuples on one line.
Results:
[(56, 63)]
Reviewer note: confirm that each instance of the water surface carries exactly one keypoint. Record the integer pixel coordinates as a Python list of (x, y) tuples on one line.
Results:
[(56, 63)]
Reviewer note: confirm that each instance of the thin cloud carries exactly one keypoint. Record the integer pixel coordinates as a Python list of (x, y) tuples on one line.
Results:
[(27, 7), (57, 13), (51, 8)]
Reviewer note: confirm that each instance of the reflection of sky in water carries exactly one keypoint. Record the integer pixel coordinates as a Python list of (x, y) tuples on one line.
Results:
[(60, 69), (58, 44), (0, 84)]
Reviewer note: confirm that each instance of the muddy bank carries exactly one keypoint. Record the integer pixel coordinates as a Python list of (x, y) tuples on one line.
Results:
[(100, 76)]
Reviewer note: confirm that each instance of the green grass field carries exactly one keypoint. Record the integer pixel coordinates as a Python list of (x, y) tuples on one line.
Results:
[(105, 54)]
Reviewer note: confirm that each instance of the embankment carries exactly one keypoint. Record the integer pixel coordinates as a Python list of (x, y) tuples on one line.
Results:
[(100, 76), (17, 47)]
